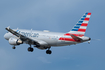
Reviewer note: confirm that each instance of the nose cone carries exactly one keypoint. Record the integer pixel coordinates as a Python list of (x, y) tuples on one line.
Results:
[(6, 36)]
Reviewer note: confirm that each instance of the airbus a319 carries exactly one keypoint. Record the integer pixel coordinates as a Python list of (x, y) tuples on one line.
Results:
[(46, 39)]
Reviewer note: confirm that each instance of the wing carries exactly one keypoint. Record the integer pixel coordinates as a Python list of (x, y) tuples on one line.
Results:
[(22, 37)]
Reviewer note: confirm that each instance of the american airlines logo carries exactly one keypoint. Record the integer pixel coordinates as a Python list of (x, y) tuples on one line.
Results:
[(28, 34)]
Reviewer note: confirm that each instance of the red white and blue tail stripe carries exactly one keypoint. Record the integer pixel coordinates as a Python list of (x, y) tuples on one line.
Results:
[(80, 27)]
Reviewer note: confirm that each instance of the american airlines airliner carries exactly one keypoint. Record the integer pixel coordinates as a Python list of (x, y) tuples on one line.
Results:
[(46, 39)]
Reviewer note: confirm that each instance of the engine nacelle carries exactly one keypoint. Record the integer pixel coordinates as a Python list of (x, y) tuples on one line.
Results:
[(14, 41)]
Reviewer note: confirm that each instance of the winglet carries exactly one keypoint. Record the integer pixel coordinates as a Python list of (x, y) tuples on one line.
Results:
[(7, 27)]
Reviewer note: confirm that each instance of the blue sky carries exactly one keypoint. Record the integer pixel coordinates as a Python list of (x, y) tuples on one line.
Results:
[(57, 16)]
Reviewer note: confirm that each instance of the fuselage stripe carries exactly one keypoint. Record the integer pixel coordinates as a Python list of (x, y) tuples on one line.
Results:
[(68, 34), (67, 39)]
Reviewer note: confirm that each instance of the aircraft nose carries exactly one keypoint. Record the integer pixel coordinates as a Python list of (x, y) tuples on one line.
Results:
[(5, 36)]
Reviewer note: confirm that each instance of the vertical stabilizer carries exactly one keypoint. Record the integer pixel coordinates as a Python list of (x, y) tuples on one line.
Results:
[(80, 27)]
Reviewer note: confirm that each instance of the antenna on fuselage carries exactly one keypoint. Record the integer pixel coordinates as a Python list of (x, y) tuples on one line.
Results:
[(17, 28), (31, 31)]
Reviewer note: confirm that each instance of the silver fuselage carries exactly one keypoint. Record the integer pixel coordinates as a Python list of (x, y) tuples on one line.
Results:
[(51, 38)]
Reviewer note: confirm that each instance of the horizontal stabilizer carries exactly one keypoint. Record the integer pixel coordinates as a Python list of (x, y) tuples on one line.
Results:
[(76, 38)]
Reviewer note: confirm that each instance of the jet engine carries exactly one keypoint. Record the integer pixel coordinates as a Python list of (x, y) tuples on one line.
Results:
[(14, 41)]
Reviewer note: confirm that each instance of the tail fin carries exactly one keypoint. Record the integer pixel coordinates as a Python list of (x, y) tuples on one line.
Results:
[(80, 27)]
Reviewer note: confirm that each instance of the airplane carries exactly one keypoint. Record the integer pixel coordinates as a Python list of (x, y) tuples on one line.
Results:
[(46, 39)]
